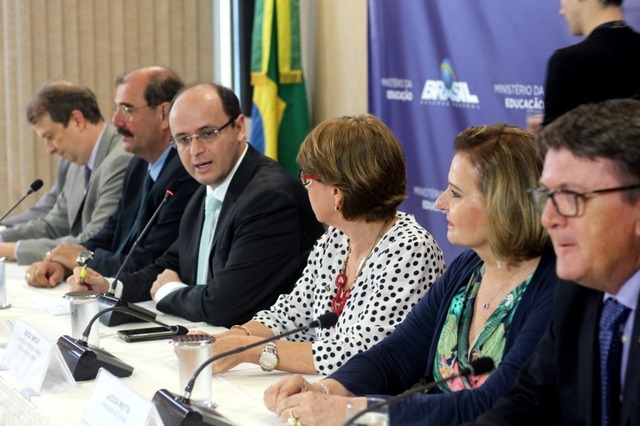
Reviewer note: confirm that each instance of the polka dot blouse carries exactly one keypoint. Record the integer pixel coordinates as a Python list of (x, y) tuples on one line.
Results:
[(400, 270)]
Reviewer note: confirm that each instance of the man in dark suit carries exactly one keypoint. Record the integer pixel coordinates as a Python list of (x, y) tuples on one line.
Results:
[(585, 369), (141, 116), (603, 66), (244, 237)]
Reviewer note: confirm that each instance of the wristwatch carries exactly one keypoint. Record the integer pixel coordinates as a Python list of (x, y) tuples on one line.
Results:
[(268, 357), (84, 257)]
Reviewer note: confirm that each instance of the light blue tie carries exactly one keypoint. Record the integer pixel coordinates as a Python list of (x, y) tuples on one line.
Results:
[(211, 211)]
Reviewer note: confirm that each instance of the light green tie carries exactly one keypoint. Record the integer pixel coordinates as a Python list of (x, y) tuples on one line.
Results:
[(211, 211)]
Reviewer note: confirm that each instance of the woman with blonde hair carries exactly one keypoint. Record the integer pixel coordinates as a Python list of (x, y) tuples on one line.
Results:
[(494, 300)]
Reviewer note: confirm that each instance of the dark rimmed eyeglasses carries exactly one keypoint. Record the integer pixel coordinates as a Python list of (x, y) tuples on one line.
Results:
[(306, 179), (570, 203), (206, 135)]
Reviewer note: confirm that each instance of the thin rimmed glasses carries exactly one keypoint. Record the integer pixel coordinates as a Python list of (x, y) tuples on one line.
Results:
[(126, 110), (570, 203), (206, 135)]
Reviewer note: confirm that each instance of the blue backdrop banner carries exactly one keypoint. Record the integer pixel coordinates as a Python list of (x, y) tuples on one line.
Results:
[(439, 66)]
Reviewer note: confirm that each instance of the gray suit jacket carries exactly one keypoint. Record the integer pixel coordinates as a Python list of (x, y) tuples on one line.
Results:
[(76, 217), (46, 202)]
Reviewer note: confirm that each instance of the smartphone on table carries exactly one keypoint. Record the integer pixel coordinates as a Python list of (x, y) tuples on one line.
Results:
[(150, 333)]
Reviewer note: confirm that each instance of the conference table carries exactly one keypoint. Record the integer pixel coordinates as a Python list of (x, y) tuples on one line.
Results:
[(238, 393)]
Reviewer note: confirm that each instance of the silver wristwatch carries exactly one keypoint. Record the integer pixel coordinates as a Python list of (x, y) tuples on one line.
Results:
[(84, 257), (268, 357)]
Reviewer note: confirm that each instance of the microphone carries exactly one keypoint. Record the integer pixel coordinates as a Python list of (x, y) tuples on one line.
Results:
[(479, 366), (178, 410), (35, 185), (84, 360), (109, 299)]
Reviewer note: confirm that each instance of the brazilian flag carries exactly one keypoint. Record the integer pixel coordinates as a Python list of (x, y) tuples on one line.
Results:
[(279, 115)]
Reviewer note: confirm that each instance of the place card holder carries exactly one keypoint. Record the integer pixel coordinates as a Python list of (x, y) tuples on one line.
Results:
[(113, 403), (35, 360)]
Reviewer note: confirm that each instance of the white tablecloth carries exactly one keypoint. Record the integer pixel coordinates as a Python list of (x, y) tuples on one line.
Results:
[(237, 393)]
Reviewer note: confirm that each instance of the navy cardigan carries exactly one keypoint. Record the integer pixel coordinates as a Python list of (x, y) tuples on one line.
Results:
[(407, 355)]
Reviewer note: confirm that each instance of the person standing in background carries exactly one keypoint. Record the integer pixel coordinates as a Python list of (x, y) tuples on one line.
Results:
[(603, 66)]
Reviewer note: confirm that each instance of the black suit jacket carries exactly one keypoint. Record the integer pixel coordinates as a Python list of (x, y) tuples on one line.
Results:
[(264, 234), (162, 233), (603, 66), (560, 384)]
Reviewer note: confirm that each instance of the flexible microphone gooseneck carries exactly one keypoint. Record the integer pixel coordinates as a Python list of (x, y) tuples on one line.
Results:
[(479, 366), (109, 299), (175, 409), (84, 361), (35, 185)]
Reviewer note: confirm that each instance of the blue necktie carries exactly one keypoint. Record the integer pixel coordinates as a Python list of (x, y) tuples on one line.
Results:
[(134, 229), (612, 321), (211, 211)]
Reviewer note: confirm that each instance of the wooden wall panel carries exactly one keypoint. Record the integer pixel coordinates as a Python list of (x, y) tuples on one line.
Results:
[(90, 42)]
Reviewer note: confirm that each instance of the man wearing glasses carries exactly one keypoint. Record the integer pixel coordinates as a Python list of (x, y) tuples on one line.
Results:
[(67, 117), (140, 116), (586, 367), (246, 233)]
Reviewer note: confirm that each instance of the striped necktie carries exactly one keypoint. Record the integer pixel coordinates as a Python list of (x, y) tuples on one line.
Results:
[(612, 321)]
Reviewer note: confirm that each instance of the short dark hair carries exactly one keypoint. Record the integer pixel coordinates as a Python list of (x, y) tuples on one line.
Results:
[(609, 129), (360, 155), (611, 2), (230, 102), (507, 165), (59, 99), (162, 86)]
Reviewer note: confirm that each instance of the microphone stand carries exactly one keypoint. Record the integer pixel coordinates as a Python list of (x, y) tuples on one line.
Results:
[(479, 366), (35, 185), (85, 360), (109, 299), (175, 409)]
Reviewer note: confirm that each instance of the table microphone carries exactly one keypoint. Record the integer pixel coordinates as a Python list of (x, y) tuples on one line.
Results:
[(35, 185), (109, 299), (178, 410), (479, 366), (84, 360)]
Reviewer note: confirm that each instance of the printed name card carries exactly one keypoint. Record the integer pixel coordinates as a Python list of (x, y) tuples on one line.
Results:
[(32, 358), (112, 403)]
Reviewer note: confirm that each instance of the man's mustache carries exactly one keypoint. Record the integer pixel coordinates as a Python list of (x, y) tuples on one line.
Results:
[(124, 132)]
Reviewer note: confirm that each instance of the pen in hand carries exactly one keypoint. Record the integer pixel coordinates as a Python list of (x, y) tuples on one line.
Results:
[(83, 275)]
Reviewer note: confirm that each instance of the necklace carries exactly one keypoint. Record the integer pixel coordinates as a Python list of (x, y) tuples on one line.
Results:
[(497, 295), (340, 299)]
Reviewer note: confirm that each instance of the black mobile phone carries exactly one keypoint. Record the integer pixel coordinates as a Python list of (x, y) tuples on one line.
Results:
[(151, 333)]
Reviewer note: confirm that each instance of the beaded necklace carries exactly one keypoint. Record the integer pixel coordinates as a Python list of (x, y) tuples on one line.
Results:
[(340, 299)]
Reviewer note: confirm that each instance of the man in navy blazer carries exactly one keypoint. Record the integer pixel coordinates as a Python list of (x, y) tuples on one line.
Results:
[(141, 108), (264, 231), (590, 201), (603, 66)]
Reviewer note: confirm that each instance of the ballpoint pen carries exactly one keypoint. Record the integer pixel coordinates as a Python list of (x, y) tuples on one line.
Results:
[(83, 275)]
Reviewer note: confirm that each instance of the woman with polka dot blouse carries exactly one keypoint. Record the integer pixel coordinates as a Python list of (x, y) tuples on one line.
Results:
[(371, 266), (493, 301)]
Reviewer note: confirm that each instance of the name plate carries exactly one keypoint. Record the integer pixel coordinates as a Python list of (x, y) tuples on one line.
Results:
[(32, 358), (112, 403)]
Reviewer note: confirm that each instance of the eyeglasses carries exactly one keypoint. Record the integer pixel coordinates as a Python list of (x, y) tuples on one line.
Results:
[(126, 110), (306, 179), (569, 203), (206, 135)]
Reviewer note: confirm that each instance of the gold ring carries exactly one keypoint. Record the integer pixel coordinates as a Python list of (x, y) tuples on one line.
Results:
[(292, 421)]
